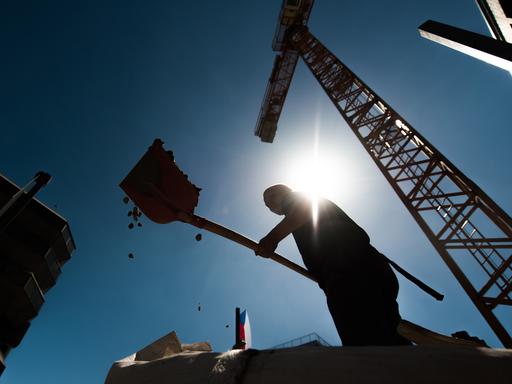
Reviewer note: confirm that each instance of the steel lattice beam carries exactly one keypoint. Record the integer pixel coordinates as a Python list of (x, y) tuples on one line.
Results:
[(275, 94), (460, 220)]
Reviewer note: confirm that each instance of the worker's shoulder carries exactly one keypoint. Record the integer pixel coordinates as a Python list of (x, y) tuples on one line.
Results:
[(326, 204), (297, 197)]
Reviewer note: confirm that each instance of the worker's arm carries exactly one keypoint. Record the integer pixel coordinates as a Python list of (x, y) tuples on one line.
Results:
[(300, 214)]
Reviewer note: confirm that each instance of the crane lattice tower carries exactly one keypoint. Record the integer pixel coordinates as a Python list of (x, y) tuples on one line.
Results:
[(459, 219)]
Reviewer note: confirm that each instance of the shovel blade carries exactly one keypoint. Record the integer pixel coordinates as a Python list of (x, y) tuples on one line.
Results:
[(158, 187)]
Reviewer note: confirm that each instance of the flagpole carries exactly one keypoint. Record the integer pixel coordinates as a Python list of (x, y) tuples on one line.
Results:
[(237, 328)]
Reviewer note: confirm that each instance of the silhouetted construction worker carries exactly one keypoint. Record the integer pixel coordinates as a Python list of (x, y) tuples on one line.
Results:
[(360, 286)]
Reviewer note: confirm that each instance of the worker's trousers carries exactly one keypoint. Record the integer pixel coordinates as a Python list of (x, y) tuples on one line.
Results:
[(362, 302)]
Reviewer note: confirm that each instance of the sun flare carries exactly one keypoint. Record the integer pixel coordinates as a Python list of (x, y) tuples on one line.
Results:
[(315, 176)]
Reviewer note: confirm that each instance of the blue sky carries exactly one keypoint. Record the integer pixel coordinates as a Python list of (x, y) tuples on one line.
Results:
[(85, 87)]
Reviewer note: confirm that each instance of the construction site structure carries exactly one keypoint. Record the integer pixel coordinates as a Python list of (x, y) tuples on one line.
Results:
[(498, 16), (35, 242), (310, 340), (495, 50), (471, 233)]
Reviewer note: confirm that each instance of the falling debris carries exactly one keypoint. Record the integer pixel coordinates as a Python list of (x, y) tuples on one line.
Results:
[(199, 237), (227, 325), (135, 214), (126, 199), (130, 256), (199, 307)]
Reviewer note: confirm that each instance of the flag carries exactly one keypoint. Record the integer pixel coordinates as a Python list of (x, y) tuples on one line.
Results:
[(245, 330)]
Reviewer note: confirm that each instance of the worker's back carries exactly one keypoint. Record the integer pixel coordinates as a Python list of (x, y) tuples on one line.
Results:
[(331, 242)]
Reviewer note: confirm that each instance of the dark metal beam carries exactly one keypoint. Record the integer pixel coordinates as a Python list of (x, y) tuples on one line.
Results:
[(495, 52)]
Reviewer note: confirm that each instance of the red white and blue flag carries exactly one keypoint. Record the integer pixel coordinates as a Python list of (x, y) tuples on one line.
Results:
[(245, 330)]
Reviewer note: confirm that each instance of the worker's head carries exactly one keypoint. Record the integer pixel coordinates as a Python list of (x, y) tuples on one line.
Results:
[(275, 196)]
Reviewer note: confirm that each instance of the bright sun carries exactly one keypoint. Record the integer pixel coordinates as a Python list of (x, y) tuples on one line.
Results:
[(316, 176)]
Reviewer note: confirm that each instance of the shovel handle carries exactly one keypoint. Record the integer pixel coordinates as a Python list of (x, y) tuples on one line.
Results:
[(218, 229)]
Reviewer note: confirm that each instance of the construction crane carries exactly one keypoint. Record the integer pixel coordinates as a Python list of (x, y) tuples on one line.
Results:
[(459, 219)]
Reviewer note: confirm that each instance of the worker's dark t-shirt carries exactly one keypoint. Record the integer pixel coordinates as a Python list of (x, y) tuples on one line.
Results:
[(359, 285), (335, 245)]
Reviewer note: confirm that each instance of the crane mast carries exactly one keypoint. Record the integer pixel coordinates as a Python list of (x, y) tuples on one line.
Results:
[(293, 13), (461, 221)]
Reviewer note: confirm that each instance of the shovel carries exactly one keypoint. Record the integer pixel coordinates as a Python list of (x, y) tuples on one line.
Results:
[(164, 194)]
